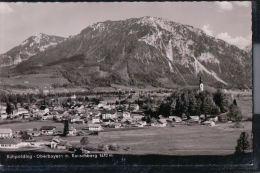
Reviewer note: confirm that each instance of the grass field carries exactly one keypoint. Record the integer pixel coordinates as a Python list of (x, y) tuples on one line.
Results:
[(178, 140)]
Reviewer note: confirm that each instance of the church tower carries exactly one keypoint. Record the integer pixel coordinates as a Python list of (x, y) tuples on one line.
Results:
[(201, 85)]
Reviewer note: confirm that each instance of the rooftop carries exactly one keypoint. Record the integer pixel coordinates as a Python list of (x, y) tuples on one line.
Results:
[(5, 130), (48, 127), (8, 141)]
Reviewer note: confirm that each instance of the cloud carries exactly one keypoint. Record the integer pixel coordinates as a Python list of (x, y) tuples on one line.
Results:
[(207, 30), (5, 8), (245, 4), (239, 41), (224, 6)]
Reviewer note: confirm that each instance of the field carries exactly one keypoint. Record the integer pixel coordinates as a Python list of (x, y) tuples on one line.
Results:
[(178, 140)]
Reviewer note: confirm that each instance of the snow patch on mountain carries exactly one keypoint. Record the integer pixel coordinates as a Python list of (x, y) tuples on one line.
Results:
[(169, 53)]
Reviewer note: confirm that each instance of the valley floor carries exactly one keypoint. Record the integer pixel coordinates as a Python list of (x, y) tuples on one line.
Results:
[(178, 140)]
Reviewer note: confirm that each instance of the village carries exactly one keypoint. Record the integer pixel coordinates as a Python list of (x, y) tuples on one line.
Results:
[(66, 126)]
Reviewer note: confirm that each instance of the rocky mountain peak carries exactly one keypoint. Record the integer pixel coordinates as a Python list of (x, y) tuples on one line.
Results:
[(29, 47)]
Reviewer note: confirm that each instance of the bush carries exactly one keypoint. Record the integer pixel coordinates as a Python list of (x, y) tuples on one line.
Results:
[(221, 100), (234, 113), (84, 141), (242, 143)]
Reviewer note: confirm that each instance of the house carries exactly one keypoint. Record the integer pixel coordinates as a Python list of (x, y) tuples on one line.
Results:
[(80, 109), (48, 130), (59, 144), (2, 109), (142, 124), (8, 143), (6, 133), (33, 132), (72, 131), (126, 115), (95, 127), (176, 119), (73, 97), (134, 107), (162, 122), (47, 117), (63, 145), (117, 125), (77, 121), (137, 117), (195, 118), (20, 112), (4, 116), (45, 111), (95, 120), (223, 117), (109, 116)]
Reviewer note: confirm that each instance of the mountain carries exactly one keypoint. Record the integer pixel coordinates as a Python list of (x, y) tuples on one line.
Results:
[(29, 47), (141, 52)]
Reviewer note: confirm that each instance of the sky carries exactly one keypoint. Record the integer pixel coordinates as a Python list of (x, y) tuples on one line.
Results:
[(230, 21)]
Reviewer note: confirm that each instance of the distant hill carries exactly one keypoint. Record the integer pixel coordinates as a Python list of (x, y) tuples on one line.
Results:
[(141, 52), (29, 47)]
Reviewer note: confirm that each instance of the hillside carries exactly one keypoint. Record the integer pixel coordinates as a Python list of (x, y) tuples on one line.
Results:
[(141, 52)]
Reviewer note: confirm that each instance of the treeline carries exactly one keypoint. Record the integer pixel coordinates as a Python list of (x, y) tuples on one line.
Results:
[(186, 103)]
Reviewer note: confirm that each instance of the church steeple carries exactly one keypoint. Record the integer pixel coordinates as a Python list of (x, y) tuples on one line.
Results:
[(201, 85)]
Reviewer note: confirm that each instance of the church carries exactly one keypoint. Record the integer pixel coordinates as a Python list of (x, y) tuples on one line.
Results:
[(201, 85)]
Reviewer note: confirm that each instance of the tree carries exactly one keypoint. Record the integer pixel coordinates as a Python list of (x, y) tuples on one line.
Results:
[(192, 105), (235, 102), (234, 113), (242, 143), (165, 109), (66, 128), (208, 106), (221, 100), (84, 140), (9, 108), (25, 136)]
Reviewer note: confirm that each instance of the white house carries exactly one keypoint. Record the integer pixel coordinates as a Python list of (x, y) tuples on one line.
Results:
[(95, 127), (48, 130), (176, 119), (137, 117), (58, 143), (47, 117), (95, 120), (6, 133), (72, 131), (45, 111), (77, 121), (4, 116), (126, 115), (8, 144), (21, 111), (73, 97), (109, 116)]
